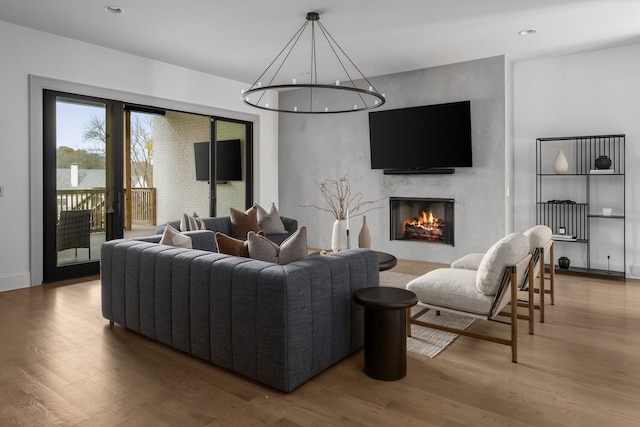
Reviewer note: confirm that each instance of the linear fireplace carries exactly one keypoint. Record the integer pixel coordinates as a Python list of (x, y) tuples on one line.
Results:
[(422, 219)]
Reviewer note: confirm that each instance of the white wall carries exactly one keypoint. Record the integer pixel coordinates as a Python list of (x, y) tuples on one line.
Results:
[(28, 53), (592, 93)]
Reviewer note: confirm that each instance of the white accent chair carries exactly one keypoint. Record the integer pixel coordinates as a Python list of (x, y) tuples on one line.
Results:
[(540, 244), (482, 293)]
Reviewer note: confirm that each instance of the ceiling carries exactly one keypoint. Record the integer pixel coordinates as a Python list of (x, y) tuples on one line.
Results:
[(237, 39)]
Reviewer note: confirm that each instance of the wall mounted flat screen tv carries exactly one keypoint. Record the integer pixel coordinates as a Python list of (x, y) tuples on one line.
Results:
[(421, 138), (228, 160)]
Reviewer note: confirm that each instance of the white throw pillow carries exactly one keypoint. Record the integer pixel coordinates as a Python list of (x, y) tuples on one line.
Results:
[(173, 237), (269, 220)]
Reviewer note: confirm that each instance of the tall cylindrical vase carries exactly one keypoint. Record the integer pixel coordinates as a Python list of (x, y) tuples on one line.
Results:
[(339, 235), (364, 238)]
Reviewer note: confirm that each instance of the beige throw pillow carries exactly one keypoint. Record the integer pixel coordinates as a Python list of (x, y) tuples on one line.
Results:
[(269, 220), (173, 237), (294, 248), (244, 222)]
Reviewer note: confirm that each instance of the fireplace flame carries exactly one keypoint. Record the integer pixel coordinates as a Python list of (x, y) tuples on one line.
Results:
[(426, 226), (426, 221)]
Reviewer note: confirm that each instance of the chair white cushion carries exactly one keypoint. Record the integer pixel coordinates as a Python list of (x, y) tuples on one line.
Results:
[(539, 236), (507, 251), (451, 288), (468, 262)]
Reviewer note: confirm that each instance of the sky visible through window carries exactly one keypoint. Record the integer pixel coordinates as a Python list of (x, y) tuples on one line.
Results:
[(72, 120)]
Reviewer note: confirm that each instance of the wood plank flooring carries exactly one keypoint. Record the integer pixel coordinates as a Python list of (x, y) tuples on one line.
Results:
[(62, 365)]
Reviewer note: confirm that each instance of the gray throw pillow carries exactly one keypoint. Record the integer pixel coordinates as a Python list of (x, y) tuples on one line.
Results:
[(294, 248), (269, 220)]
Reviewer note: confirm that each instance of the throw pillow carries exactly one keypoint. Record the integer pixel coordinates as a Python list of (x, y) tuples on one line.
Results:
[(173, 237), (191, 223), (244, 222), (294, 248), (269, 220), (230, 246)]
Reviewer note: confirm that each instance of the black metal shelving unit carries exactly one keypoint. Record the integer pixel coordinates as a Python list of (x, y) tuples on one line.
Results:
[(576, 216)]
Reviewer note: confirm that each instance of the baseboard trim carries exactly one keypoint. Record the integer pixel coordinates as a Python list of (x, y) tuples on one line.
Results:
[(10, 282)]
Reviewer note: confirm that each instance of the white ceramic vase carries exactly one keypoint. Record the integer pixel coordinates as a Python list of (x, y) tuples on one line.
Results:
[(561, 165), (339, 235), (364, 238)]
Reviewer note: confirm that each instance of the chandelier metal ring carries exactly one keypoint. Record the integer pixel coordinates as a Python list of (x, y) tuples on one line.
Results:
[(364, 99)]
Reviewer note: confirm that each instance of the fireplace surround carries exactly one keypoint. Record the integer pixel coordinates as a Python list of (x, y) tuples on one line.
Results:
[(429, 220)]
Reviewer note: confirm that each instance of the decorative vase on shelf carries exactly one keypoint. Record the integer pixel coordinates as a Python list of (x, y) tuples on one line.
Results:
[(339, 235), (603, 162), (364, 238), (564, 262), (561, 165)]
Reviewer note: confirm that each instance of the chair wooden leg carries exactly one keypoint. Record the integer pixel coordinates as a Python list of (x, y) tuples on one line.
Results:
[(542, 291), (514, 317), (532, 302), (552, 276)]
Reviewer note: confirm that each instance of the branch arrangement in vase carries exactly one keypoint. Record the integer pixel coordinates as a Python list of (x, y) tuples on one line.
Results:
[(342, 203)]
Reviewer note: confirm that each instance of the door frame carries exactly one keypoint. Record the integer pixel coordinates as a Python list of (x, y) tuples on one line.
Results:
[(114, 127), (36, 85), (248, 159)]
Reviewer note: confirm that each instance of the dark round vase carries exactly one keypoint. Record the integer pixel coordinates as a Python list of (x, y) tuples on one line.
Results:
[(564, 262), (603, 162)]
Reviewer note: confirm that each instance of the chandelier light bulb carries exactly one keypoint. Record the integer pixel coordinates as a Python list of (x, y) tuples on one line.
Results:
[(326, 109), (370, 88), (266, 105), (259, 84), (295, 108), (293, 80), (355, 107), (337, 82)]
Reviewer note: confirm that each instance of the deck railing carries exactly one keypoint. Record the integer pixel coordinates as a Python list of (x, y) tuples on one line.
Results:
[(143, 205)]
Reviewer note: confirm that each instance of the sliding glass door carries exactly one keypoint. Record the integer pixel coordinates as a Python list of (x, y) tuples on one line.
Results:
[(83, 184)]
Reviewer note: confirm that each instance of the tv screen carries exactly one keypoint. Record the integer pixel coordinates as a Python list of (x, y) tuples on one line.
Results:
[(426, 137), (228, 160)]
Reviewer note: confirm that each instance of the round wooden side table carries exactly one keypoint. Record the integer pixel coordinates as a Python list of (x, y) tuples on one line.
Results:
[(385, 330)]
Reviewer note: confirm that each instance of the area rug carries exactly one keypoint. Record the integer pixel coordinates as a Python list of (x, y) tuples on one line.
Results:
[(426, 341)]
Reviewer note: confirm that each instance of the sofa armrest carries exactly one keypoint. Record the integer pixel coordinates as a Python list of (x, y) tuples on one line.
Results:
[(204, 240)]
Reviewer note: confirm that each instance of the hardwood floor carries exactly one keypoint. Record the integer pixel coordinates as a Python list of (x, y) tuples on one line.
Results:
[(61, 364)]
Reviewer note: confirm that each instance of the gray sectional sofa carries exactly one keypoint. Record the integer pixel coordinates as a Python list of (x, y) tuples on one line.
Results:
[(223, 225), (277, 324)]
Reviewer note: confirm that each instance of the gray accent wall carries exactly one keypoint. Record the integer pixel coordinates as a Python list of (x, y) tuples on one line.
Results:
[(316, 147)]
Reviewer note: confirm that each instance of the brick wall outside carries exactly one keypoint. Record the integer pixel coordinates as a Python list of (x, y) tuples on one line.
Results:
[(174, 170)]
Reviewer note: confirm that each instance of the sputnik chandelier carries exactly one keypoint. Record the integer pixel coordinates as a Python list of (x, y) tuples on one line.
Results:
[(304, 94)]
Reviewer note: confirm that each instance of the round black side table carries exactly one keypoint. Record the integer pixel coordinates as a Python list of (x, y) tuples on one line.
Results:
[(385, 330)]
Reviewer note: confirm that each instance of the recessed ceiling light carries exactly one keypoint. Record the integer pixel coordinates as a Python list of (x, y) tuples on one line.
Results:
[(114, 9), (528, 32)]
